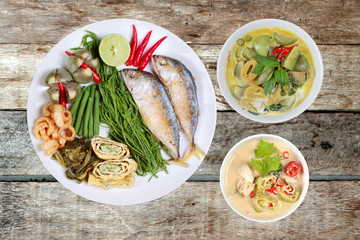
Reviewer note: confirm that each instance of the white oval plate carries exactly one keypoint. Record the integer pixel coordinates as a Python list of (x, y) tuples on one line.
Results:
[(144, 190), (319, 70)]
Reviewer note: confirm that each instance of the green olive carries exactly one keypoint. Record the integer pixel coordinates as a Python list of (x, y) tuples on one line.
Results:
[(261, 44), (265, 203)]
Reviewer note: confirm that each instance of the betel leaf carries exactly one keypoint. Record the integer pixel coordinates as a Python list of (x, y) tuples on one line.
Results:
[(281, 76), (267, 61), (269, 85), (264, 149)]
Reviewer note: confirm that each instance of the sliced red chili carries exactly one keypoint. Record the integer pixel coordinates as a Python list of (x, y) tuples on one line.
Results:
[(286, 154), (141, 49), (271, 205), (96, 77), (272, 190), (133, 46), (62, 99), (282, 52), (251, 195), (292, 169), (146, 58), (280, 184)]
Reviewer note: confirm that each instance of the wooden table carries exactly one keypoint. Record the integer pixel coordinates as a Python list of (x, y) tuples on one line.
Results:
[(35, 206)]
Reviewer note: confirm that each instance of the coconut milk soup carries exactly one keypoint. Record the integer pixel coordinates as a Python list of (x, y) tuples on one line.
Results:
[(264, 179), (270, 71)]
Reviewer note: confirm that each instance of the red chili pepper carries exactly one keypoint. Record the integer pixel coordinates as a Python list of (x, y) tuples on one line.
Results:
[(280, 184), (286, 154), (271, 205), (62, 99), (146, 58), (278, 50), (292, 169), (272, 190), (133, 46), (141, 49), (282, 52), (84, 65), (251, 195)]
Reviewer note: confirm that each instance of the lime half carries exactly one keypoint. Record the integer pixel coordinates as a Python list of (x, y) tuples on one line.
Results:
[(114, 49)]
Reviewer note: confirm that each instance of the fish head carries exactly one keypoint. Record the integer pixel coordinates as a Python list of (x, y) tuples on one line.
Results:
[(167, 69), (137, 82)]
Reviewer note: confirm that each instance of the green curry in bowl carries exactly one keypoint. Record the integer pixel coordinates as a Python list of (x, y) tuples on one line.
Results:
[(270, 71)]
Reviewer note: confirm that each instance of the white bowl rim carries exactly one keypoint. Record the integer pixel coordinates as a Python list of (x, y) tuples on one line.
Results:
[(314, 50), (272, 138)]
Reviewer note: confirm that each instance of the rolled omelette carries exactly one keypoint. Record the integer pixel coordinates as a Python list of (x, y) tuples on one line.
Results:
[(113, 174), (108, 149)]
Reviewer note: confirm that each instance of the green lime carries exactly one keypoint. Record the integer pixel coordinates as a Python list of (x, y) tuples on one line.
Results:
[(114, 49)]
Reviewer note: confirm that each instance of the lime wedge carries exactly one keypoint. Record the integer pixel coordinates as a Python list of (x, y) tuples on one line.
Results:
[(114, 49)]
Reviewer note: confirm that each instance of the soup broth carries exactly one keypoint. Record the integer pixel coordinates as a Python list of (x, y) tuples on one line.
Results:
[(255, 92), (244, 201)]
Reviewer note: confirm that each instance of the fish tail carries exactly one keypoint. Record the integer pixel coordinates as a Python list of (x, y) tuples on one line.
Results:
[(192, 149)]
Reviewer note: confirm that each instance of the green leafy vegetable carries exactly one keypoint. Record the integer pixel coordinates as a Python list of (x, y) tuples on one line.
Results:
[(267, 61), (281, 76), (258, 69), (269, 85), (269, 163), (264, 149), (276, 107)]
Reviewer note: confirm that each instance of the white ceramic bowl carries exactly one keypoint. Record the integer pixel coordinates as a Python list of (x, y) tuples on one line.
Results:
[(319, 70), (265, 137)]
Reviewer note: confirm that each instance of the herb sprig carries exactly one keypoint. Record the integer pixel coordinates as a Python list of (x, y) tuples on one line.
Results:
[(266, 159), (280, 75)]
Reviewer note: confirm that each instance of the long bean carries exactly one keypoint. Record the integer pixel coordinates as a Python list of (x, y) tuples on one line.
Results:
[(89, 110), (75, 106), (97, 113), (80, 113)]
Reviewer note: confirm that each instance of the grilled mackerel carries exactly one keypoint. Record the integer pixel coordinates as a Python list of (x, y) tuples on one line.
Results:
[(155, 107)]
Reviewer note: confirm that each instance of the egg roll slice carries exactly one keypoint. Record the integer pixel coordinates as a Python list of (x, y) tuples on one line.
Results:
[(127, 182), (113, 173), (109, 150)]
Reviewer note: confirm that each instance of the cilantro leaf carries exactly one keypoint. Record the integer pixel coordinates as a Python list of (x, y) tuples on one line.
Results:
[(271, 163), (258, 165), (264, 149)]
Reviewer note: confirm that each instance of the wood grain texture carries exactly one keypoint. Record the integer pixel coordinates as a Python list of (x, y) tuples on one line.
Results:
[(193, 211), (330, 142), (330, 22), (340, 88)]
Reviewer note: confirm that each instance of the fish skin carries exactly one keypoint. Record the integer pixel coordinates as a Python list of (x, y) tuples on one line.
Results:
[(180, 85), (155, 107)]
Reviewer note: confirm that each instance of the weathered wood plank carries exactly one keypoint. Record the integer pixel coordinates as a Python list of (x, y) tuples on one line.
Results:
[(331, 210), (333, 22), (340, 89), (330, 142)]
